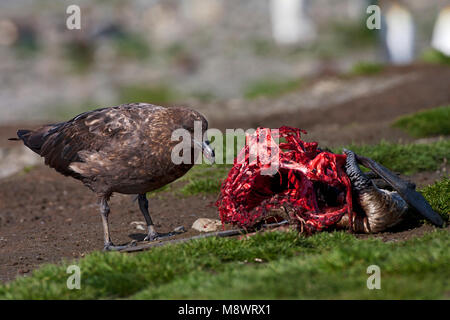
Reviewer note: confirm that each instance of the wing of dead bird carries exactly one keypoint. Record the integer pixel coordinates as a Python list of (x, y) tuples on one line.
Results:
[(413, 198)]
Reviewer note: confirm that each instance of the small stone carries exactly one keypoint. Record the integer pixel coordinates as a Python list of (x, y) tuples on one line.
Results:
[(179, 229), (139, 225), (206, 225)]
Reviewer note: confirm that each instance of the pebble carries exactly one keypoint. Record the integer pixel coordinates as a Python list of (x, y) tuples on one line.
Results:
[(206, 225), (140, 225)]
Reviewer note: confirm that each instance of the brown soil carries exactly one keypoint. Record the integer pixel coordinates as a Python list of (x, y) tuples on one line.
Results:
[(45, 217)]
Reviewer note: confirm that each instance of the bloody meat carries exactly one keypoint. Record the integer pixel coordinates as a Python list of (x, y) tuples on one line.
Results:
[(309, 183)]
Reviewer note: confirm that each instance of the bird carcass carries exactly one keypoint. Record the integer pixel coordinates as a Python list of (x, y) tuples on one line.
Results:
[(312, 188)]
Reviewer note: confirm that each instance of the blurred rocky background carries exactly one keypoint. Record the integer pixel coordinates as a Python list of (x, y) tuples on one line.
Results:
[(183, 51)]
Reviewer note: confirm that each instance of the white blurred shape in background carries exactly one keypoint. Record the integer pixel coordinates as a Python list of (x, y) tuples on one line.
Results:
[(356, 8), (441, 32), (399, 34), (8, 32), (202, 12), (290, 22)]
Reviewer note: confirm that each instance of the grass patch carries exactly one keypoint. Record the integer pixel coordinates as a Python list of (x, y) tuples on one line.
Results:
[(27, 169), (339, 273), (435, 57), (438, 195), (326, 266), (405, 158), (204, 179), (366, 68), (157, 94), (271, 88), (426, 123), (207, 185)]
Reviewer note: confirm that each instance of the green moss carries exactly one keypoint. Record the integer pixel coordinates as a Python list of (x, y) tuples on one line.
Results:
[(27, 169), (366, 68), (435, 57), (136, 93), (405, 158), (272, 265), (207, 185), (438, 195), (271, 88), (426, 123)]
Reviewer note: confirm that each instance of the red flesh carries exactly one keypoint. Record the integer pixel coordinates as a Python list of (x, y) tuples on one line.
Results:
[(246, 195)]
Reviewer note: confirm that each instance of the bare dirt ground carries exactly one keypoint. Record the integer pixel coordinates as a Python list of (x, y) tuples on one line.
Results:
[(45, 217)]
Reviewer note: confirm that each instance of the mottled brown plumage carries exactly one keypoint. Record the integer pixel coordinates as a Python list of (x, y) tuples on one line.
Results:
[(125, 149)]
